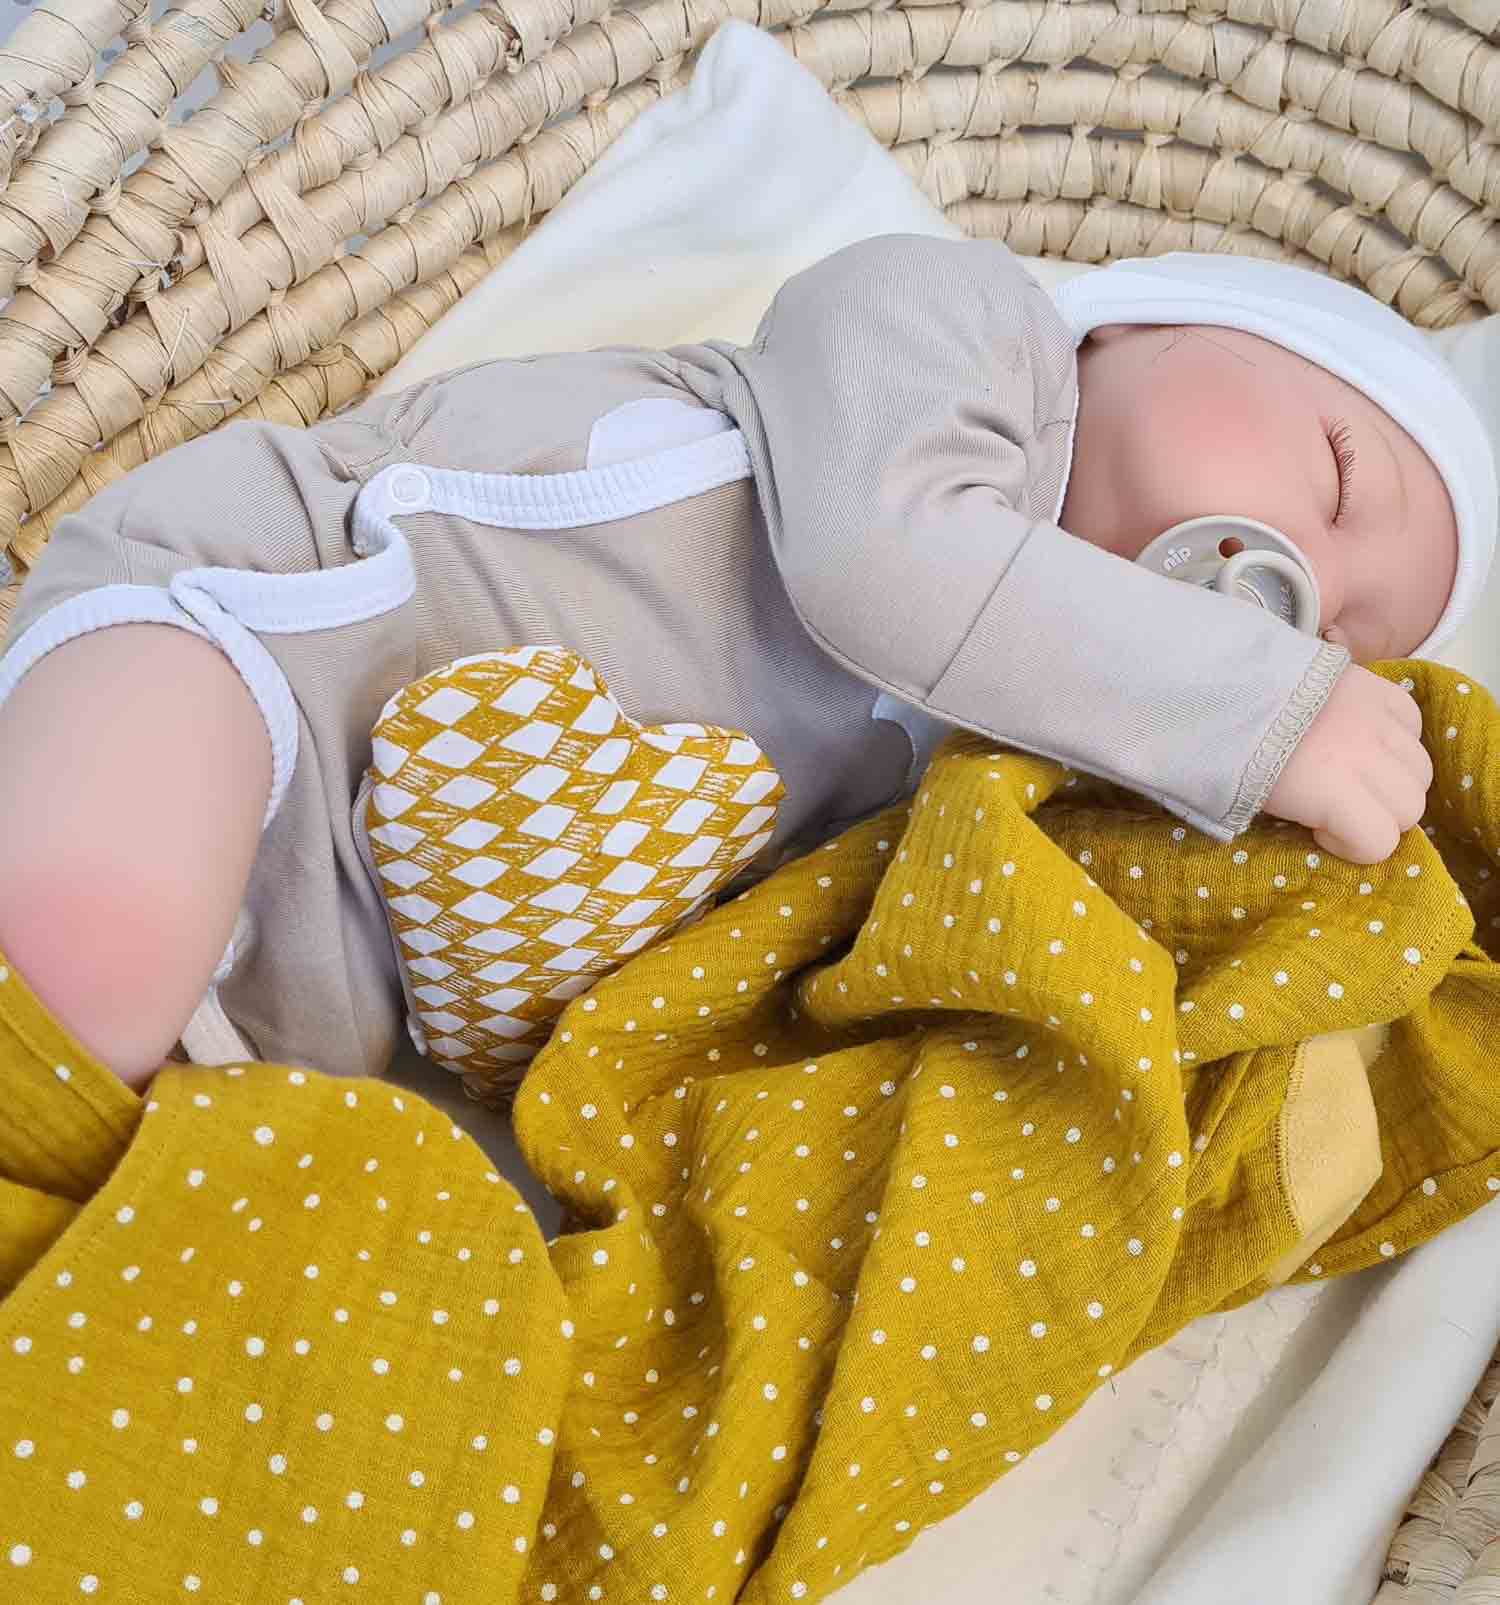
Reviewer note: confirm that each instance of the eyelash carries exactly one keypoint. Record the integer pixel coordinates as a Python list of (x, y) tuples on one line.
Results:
[(1343, 451)]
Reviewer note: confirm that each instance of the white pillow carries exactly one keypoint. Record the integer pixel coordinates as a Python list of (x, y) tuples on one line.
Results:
[(686, 227), (697, 214)]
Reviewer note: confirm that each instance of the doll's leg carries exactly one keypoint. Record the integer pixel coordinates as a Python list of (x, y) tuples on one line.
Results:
[(134, 773)]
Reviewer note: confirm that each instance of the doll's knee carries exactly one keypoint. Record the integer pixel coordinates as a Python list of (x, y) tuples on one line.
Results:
[(132, 793)]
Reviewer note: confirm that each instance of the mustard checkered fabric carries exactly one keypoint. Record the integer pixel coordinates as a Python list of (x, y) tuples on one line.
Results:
[(529, 836), (873, 1174)]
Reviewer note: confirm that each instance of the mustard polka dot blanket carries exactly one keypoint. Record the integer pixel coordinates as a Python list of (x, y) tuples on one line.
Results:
[(872, 1175)]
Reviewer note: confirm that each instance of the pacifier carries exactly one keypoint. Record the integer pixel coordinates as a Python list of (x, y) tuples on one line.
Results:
[(1242, 558)]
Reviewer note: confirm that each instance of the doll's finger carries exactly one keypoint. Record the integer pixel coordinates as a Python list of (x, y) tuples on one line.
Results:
[(1406, 710), (1363, 833), (1412, 757), (1390, 785)]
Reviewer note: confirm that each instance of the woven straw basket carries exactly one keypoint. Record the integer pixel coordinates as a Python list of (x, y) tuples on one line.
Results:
[(155, 298), (1447, 1550), (277, 251)]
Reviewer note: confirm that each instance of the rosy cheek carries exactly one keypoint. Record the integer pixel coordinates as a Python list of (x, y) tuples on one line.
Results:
[(1218, 434), (1191, 469)]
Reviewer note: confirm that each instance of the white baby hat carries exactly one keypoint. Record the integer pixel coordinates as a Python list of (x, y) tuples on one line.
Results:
[(1341, 328)]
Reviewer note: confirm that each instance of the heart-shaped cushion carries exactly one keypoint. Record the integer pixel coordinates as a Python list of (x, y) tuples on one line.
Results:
[(528, 836)]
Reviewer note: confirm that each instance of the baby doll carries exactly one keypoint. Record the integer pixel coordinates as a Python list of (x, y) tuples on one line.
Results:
[(912, 503)]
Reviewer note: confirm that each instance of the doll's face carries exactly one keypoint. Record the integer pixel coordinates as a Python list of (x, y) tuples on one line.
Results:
[(1185, 421)]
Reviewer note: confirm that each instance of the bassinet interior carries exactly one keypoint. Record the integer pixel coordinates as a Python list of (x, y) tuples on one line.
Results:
[(359, 165)]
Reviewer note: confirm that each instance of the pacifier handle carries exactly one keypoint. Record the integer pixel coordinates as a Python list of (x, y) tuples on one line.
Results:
[(1304, 597)]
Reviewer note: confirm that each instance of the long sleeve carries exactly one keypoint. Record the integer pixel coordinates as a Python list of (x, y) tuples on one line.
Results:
[(909, 405)]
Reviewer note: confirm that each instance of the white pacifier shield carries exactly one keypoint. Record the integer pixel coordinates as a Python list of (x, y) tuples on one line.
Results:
[(1266, 568)]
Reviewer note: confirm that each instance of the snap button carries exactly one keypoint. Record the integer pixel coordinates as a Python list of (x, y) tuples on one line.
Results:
[(408, 488)]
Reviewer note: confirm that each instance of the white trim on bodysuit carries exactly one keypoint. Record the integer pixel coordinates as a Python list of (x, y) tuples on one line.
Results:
[(231, 607)]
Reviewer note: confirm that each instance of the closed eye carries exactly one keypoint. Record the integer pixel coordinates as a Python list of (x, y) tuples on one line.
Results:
[(1341, 443)]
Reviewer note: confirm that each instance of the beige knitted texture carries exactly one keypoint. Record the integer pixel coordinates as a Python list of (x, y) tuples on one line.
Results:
[(216, 277)]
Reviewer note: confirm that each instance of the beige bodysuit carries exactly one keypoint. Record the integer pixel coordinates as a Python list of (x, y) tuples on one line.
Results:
[(840, 540)]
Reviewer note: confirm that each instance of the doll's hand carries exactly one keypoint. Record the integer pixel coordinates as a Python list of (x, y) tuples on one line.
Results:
[(1360, 774)]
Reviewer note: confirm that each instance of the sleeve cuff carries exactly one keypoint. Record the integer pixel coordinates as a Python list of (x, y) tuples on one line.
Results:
[(1264, 769)]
